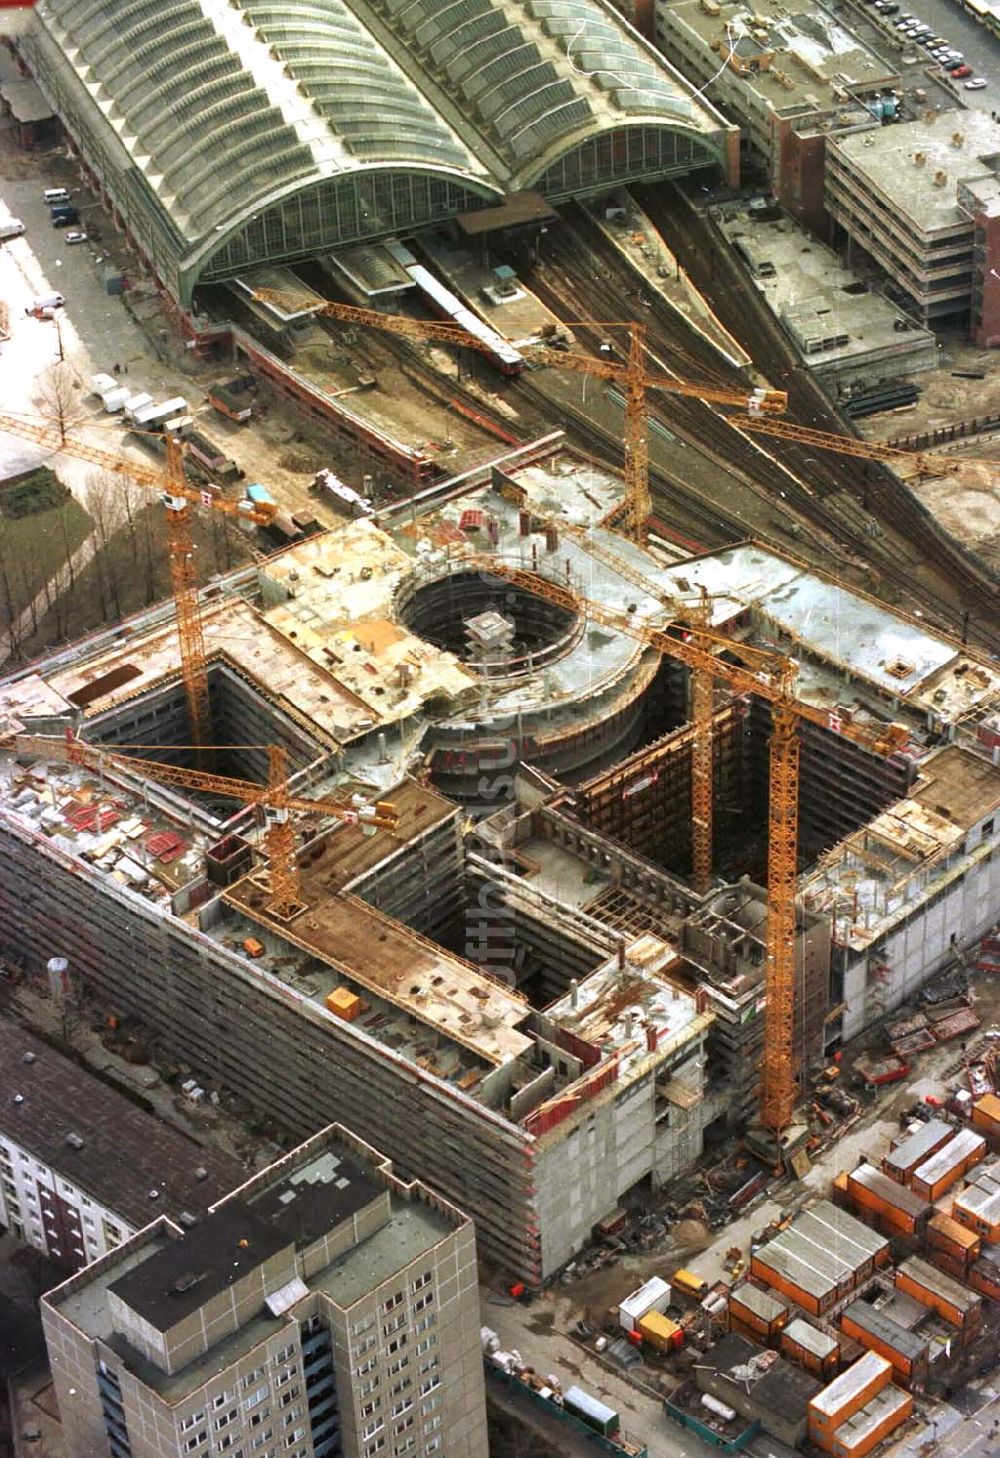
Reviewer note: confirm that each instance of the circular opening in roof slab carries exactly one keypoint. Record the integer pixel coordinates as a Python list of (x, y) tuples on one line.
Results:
[(495, 627)]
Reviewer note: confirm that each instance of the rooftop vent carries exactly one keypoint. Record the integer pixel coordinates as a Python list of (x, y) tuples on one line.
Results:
[(153, 1195), (940, 178), (957, 138), (919, 159), (186, 1219), (28, 1058), (19, 1098), (185, 1281), (74, 1141), (201, 1173)]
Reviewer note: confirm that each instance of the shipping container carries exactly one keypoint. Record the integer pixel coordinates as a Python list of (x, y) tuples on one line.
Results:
[(862, 1433), (908, 1353), (235, 406), (937, 1174), (654, 1295), (821, 1258), (984, 1277), (913, 1149), (940, 1292), (596, 1415), (948, 1235), (846, 1395), (814, 1350), (898, 1210)]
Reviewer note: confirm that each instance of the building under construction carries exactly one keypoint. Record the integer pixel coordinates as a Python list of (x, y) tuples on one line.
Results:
[(515, 991)]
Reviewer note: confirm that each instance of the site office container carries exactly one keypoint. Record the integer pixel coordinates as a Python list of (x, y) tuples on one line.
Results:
[(984, 1277), (756, 1313), (898, 1211), (787, 1287), (939, 1292), (846, 1395), (799, 1346), (937, 1175), (589, 1410), (865, 1441), (978, 1212), (949, 1237), (653, 1295), (986, 1117), (911, 1370), (912, 1150)]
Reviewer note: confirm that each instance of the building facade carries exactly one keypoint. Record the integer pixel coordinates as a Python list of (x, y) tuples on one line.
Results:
[(324, 1307), (81, 1167)]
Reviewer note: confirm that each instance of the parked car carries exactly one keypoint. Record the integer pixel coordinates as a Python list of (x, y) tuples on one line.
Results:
[(950, 65), (976, 84), (960, 73), (13, 228), (55, 195), (76, 238), (66, 218)]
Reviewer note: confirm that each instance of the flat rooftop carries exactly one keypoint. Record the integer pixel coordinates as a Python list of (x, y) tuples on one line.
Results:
[(881, 1408), (897, 655), (963, 146), (962, 788), (916, 1147), (123, 1153), (900, 1197), (316, 1196), (382, 955), (820, 1343), (186, 1273), (882, 1327), (832, 318), (800, 54)]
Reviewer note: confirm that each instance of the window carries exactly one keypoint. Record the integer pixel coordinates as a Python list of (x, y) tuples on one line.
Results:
[(370, 1407), (398, 1408), (285, 1375), (295, 1437), (370, 1429), (255, 1397), (423, 1301), (406, 1446), (422, 1280), (226, 1442), (426, 1344), (253, 1377), (362, 1325), (222, 1398), (365, 1366), (375, 1447), (226, 1419), (393, 1324), (398, 1387), (369, 1386), (397, 1344), (365, 1345), (425, 1323), (191, 1443), (431, 1403), (432, 1446), (432, 1426), (397, 1367), (283, 1355), (392, 1302), (428, 1365)]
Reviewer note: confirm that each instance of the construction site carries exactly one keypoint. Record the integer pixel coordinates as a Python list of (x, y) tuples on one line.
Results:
[(490, 858)]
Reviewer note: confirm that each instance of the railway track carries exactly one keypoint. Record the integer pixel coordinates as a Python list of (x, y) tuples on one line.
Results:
[(833, 508)]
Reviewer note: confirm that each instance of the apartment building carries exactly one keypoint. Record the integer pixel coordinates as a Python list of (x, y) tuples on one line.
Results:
[(82, 1168), (324, 1307)]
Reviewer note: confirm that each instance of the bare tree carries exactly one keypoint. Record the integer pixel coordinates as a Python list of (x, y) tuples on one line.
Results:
[(56, 395), (10, 613), (104, 502)]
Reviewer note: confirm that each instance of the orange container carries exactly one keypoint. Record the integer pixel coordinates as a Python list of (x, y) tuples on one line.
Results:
[(887, 1411), (846, 1395), (986, 1116), (253, 947), (939, 1292), (947, 1235), (344, 1003)]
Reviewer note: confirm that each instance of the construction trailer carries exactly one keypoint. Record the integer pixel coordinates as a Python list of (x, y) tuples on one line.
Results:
[(756, 1313), (936, 1175), (913, 1149), (878, 1332), (874, 1197), (817, 1351), (822, 1257), (860, 1408), (977, 1207), (986, 1118), (950, 1241), (940, 1292)]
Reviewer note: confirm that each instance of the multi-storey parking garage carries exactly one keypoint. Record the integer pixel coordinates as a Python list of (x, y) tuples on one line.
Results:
[(228, 135)]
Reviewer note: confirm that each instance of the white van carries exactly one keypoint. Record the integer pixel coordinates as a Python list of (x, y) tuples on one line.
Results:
[(43, 306), (56, 195), (13, 228)]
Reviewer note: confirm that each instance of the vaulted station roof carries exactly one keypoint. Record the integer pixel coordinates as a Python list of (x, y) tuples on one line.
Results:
[(223, 107)]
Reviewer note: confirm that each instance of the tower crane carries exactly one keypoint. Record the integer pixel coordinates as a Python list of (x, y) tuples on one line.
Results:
[(932, 462), (772, 677), (274, 799), (179, 497), (634, 508)]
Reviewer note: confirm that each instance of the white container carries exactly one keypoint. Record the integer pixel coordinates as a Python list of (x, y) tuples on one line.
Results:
[(654, 1295)]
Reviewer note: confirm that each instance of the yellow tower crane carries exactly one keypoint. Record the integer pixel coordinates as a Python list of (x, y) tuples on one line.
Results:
[(276, 802), (179, 499), (772, 677), (634, 508)]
